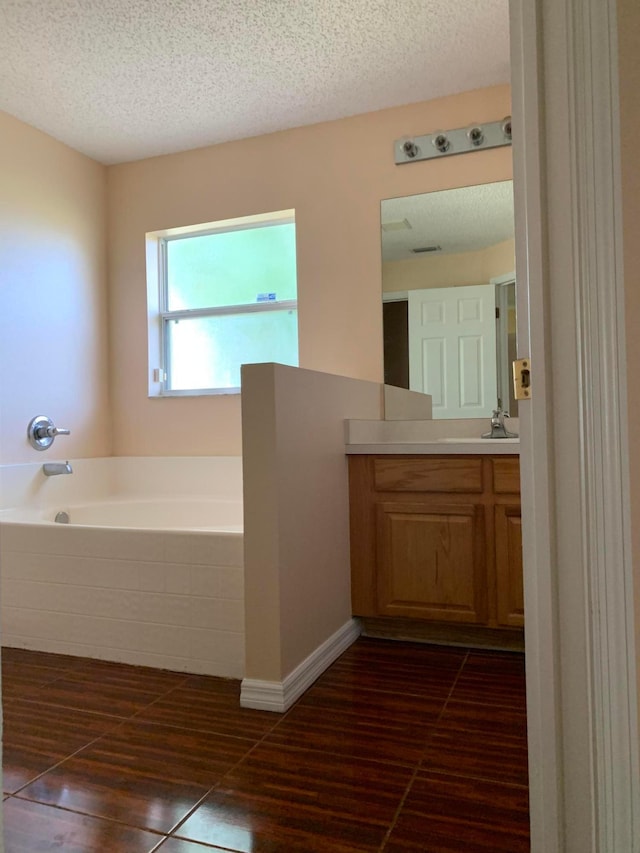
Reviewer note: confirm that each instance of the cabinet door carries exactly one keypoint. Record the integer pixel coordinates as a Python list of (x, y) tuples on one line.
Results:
[(509, 582), (431, 561)]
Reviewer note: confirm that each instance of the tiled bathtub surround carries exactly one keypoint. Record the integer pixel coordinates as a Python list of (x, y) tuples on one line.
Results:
[(165, 598)]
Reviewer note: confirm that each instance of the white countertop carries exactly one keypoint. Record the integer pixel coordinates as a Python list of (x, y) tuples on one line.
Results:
[(443, 446), (428, 436)]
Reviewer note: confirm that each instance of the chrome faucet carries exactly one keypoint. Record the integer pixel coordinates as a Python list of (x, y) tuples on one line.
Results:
[(498, 429), (50, 469), (42, 431)]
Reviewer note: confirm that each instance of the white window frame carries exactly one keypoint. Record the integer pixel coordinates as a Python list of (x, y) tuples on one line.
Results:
[(157, 294)]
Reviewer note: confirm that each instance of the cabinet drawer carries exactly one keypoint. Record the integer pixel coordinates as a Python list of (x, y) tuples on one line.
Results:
[(506, 476), (428, 474)]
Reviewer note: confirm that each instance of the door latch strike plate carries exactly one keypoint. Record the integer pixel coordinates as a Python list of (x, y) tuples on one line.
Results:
[(522, 379)]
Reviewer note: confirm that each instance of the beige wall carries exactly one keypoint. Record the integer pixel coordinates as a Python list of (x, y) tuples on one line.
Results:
[(454, 270), (53, 335), (629, 38), (296, 511), (335, 175)]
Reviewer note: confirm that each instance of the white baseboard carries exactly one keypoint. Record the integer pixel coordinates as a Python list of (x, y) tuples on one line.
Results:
[(279, 696)]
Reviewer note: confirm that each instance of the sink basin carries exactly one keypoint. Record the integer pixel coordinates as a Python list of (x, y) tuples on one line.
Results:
[(478, 440)]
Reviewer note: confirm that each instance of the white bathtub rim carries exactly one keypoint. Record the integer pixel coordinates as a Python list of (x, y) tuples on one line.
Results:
[(229, 530), (45, 516)]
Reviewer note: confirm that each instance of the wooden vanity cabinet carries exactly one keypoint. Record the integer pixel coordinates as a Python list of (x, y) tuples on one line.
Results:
[(437, 538), (508, 542)]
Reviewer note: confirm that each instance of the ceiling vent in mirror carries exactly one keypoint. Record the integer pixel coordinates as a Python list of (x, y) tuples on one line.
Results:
[(422, 249)]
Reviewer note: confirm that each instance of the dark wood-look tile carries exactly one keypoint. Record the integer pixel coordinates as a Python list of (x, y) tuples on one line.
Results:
[(48, 660), (23, 670), (368, 650), (360, 723), (144, 678), (445, 814), (36, 737), (416, 669), (477, 753), (86, 695), (491, 661), (92, 685), (179, 845), (143, 774), (31, 827), (210, 705), (487, 719), (493, 678), (491, 689), (143, 751), (296, 800), (31, 673), (396, 708)]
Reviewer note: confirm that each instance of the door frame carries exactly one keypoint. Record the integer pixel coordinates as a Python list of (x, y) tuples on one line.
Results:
[(502, 348), (581, 678)]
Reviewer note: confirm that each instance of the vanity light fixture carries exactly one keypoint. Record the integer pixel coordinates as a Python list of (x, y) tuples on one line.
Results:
[(441, 143)]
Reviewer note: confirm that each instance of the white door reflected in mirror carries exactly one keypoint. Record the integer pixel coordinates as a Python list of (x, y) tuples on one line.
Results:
[(449, 297), (452, 349)]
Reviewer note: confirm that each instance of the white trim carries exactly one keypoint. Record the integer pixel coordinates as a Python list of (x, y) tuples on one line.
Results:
[(507, 278), (581, 681), (279, 696), (599, 291), (225, 310), (197, 392), (536, 471), (504, 375), (276, 217), (395, 295)]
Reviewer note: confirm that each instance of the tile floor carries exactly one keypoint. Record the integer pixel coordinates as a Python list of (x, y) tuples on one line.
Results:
[(397, 747)]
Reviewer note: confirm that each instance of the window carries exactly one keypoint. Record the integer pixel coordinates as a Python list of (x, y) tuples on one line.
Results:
[(227, 297)]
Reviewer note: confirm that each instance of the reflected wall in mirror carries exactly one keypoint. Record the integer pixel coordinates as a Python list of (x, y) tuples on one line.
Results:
[(449, 304)]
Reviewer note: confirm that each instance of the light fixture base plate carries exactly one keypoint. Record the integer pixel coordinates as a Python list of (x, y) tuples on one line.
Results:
[(494, 136)]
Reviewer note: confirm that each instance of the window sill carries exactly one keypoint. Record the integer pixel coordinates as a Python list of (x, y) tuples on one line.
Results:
[(210, 392)]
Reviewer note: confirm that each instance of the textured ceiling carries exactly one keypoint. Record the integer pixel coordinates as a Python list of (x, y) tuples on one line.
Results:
[(126, 79), (460, 220)]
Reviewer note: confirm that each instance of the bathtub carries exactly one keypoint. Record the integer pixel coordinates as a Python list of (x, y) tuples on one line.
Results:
[(204, 514), (148, 570)]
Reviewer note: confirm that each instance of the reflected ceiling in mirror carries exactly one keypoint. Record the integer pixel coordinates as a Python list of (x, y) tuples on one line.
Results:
[(449, 297)]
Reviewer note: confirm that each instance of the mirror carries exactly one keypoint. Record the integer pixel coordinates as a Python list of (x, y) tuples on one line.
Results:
[(449, 301)]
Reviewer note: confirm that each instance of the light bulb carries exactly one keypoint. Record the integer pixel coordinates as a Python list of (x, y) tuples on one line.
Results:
[(475, 135), (441, 142), (410, 149)]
